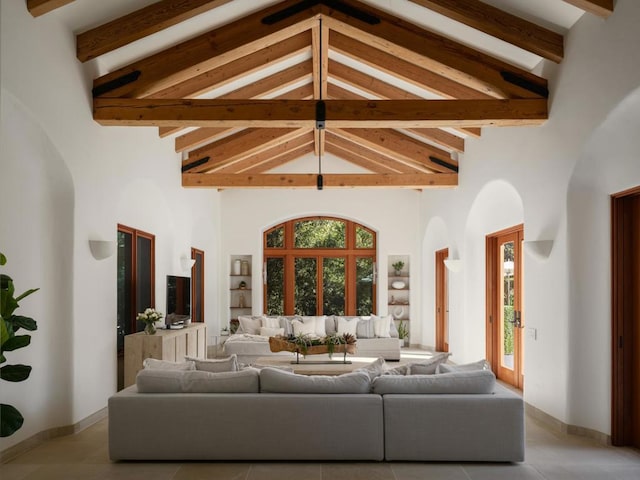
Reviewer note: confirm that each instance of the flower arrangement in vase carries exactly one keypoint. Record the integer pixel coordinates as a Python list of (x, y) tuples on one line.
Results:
[(150, 316), (397, 267)]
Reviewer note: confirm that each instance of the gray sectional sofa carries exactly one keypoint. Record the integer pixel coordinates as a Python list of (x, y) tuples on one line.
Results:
[(270, 414)]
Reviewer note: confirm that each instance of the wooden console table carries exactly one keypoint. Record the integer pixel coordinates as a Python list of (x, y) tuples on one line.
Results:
[(172, 345)]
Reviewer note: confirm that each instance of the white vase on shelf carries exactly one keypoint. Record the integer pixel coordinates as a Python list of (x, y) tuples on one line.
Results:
[(237, 267)]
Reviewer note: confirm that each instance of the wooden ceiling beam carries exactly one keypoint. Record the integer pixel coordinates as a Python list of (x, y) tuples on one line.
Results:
[(238, 146), (331, 180), (200, 136), (204, 52), (385, 90), (139, 24), (502, 25), (401, 147), (302, 113), (40, 7), (601, 8), (358, 154), (264, 160), (320, 48), (436, 53)]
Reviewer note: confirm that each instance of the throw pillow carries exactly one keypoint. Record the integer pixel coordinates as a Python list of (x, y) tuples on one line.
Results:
[(347, 325), (285, 322), (330, 325), (172, 381), (277, 381), (382, 325), (155, 364), (429, 366), (318, 322), (399, 370), (271, 322), (364, 329), (229, 364), (467, 367), (374, 369), (271, 332), (473, 382), (250, 325), (301, 328)]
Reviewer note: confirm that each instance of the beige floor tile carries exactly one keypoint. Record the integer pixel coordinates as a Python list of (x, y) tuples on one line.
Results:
[(357, 471), (430, 471), (69, 471), (285, 471), (140, 471), (15, 471), (502, 472), (209, 471)]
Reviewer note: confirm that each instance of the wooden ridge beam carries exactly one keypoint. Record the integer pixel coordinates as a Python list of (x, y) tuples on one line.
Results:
[(439, 54), (302, 113), (601, 8), (331, 180), (139, 24), (502, 25), (40, 7), (204, 52)]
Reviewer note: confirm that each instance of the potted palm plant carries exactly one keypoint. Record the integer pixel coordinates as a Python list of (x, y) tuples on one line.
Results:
[(403, 333)]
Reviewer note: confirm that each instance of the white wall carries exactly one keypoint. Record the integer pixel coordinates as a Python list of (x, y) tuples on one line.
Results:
[(393, 214), (87, 179), (567, 368)]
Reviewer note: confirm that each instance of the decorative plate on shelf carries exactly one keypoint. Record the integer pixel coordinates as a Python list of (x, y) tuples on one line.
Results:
[(398, 285)]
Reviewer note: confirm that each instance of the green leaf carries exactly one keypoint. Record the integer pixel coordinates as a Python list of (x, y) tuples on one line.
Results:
[(10, 420), (19, 341), (23, 322), (4, 281), (26, 294), (3, 259), (15, 373), (4, 331)]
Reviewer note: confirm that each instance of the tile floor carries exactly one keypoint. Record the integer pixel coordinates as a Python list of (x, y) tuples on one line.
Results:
[(550, 455)]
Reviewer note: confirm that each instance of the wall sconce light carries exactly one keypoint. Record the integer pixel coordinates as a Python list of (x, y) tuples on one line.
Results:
[(538, 249), (453, 264), (187, 263), (101, 249)]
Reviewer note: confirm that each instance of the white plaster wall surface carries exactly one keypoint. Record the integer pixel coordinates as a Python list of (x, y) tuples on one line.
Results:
[(601, 67), (393, 214), (33, 172), (119, 175)]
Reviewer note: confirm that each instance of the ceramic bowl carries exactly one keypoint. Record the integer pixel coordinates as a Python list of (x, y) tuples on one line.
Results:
[(398, 285)]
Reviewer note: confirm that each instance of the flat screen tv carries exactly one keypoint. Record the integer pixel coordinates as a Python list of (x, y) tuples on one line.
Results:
[(178, 299)]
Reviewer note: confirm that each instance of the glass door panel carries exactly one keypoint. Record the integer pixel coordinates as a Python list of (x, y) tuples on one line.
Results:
[(507, 292), (274, 301), (333, 285), (364, 285), (306, 287)]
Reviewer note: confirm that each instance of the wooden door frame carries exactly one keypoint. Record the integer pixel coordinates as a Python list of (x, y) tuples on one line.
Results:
[(195, 253), (621, 320), (440, 296), (492, 305)]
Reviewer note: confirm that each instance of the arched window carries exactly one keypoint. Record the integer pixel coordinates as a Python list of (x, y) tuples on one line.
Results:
[(319, 266)]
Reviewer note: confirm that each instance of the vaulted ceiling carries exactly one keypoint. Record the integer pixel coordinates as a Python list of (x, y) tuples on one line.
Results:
[(310, 79)]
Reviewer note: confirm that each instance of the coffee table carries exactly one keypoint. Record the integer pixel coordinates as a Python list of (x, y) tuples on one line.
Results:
[(313, 368)]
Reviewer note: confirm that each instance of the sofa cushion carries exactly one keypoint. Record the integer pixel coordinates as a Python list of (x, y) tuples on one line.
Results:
[(155, 364), (229, 364), (347, 325), (330, 326), (472, 382), (374, 369), (382, 326), (429, 366), (285, 322), (467, 367), (278, 381), (319, 323), (249, 324), (364, 329), (271, 322), (174, 381), (302, 328), (271, 332)]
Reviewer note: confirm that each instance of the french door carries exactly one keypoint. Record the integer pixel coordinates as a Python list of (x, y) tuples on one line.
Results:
[(505, 305), (442, 302)]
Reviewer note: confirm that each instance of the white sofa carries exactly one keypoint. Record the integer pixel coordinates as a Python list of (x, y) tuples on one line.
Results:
[(249, 345), (196, 415)]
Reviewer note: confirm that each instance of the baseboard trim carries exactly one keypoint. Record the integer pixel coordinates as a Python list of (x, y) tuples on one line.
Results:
[(39, 438), (559, 426)]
